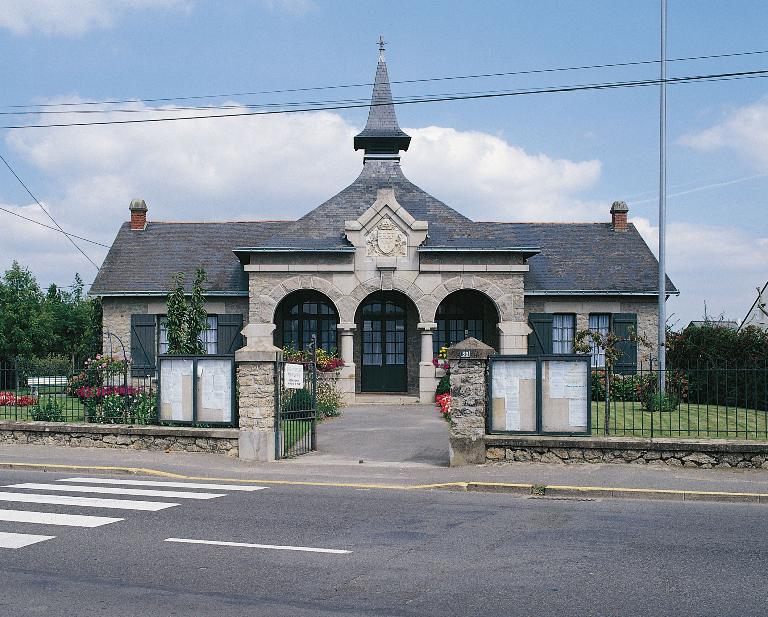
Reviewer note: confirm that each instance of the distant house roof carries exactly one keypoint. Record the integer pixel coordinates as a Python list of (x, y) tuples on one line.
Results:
[(730, 325)]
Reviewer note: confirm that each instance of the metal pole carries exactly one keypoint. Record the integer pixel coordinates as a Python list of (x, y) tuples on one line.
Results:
[(662, 200)]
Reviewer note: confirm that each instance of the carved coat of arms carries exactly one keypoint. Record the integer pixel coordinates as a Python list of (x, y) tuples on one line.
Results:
[(386, 239)]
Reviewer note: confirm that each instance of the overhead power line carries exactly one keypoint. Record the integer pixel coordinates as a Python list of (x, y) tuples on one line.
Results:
[(56, 229), (423, 99), (402, 81), (69, 237)]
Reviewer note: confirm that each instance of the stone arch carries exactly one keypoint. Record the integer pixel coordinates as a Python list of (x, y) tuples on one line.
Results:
[(501, 300), (422, 301), (267, 303)]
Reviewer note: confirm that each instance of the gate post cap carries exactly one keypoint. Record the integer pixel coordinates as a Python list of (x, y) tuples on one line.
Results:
[(470, 349)]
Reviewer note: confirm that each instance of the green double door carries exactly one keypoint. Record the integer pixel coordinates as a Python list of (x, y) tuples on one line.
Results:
[(384, 367)]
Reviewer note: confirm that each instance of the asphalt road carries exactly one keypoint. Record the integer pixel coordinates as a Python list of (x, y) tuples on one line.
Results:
[(411, 553)]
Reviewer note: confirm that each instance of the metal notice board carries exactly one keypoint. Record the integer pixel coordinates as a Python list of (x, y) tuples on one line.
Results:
[(539, 395)]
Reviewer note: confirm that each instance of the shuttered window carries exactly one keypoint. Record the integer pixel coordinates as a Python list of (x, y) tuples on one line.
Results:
[(540, 339), (563, 331), (149, 337), (209, 336), (143, 345), (600, 323), (624, 325)]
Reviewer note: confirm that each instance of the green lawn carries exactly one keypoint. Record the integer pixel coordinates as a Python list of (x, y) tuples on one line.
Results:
[(689, 420), (72, 408), (291, 432)]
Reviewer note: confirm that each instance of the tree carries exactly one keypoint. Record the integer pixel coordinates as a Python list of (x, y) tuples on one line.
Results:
[(176, 318), (586, 340), (197, 318), (186, 322), (56, 323)]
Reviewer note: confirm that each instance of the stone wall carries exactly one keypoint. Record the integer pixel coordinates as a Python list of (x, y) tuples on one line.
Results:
[(157, 438), (703, 453)]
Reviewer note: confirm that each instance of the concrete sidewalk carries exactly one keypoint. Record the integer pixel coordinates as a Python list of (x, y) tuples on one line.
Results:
[(306, 470), (406, 435)]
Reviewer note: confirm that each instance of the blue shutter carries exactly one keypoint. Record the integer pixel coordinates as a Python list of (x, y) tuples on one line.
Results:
[(623, 325), (540, 340), (143, 345)]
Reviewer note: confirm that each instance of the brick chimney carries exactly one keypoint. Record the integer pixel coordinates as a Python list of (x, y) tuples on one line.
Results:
[(619, 211), (138, 210)]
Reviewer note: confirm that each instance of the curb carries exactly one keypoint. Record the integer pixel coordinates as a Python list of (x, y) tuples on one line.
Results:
[(535, 491)]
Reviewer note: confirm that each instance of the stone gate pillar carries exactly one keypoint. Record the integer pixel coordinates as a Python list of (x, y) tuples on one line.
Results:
[(346, 352), (468, 360), (256, 381), (427, 380)]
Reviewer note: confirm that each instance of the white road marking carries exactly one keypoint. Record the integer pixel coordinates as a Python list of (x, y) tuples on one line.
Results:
[(86, 502), (115, 491), (49, 518), (221, 487), (20, 540), (275, 547)]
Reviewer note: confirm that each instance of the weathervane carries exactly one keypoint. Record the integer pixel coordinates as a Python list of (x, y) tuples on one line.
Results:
[(382, 43)]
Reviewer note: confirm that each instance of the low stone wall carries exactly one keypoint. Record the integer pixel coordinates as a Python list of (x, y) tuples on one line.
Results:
[(158, 438), (703, 453)]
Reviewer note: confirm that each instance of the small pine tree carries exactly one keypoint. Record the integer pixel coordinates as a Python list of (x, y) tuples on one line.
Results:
[(176, 318), (197, 318)]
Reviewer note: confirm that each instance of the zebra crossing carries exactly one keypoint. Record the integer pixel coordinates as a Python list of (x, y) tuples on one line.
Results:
[(102, 493)]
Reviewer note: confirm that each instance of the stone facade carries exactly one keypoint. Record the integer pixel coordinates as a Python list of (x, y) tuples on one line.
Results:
[(703, 453), (157, 438)]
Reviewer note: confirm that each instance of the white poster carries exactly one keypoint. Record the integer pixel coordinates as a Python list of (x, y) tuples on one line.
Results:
[(507, 380), (293, 376)]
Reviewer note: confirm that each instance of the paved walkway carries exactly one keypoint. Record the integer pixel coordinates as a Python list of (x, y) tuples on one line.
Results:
[(410, 435)]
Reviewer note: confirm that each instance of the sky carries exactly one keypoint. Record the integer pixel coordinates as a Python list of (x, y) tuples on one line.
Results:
[(539, 157)]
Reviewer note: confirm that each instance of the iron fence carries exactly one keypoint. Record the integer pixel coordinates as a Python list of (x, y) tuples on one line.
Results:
[(296, 406), (725, 402), (98, 392)]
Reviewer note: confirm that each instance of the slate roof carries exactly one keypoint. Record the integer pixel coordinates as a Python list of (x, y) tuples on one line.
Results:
[(323, 227), (382, 133), (580, 256), (145, 261)]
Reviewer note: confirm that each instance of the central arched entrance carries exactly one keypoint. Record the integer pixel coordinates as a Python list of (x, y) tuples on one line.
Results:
[(384, 333)]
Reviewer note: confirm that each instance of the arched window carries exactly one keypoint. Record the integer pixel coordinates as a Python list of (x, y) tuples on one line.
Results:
[(463, 314), (304, 313)]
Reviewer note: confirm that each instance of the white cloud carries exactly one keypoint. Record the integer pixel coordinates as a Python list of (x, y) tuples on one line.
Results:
[(72, 17), (486, 177), (269, 167), (744, 130), (46, 252), (719, 265)]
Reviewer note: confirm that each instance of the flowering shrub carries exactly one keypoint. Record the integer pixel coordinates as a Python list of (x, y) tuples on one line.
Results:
[(133, 406), (99, 392), (10, 398), (444, 403), (96, 372), (326, 361), (443, 364)]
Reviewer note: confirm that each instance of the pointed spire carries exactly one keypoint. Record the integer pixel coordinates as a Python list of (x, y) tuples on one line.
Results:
[(382, 137)]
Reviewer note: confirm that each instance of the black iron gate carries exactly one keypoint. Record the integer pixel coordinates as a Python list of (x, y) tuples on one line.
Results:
[(296, 405)]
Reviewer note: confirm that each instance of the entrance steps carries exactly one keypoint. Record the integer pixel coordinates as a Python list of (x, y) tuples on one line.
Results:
[(385, 399)]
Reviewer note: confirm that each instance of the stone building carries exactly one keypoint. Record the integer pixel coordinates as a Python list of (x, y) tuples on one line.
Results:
[(384, 273)]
